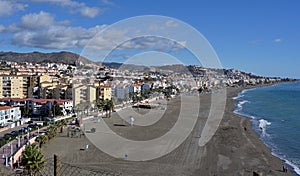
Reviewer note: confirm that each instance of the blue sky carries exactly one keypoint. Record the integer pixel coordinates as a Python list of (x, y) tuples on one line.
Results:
[(259, 36)]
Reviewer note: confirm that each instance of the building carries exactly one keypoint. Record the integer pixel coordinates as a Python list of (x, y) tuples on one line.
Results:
[(9, 115), (104, 92), (44, 107), (134, 88), (18, 86), (145, 87), (83, 93), (11, 86), (121, 92)]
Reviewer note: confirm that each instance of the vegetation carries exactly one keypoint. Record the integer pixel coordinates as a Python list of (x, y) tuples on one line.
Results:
[(41, 139), (56, 109), (83, 106), (32, 159), (60, 124), (106, 105), (51, 132)]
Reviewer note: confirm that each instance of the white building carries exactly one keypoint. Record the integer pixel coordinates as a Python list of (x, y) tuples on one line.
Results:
[(9, 114)]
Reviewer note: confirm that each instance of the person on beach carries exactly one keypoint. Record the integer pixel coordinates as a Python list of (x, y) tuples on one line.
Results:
[(284, 169), (131, 121)]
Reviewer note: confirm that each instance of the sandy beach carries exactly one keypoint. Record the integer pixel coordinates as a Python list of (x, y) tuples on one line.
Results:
[(235, 149)]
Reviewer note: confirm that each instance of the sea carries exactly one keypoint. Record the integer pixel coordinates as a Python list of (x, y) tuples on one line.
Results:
[(275, 114)]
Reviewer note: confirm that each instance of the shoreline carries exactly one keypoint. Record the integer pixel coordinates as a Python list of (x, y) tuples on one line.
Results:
[(293, 168), (235, 149), (241, 143)]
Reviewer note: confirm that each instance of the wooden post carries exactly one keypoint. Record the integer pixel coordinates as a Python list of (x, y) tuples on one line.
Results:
[(56, 165)]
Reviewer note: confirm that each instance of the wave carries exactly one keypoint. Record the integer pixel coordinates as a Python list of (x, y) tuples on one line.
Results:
[(295, 168), (240, 103), (241, 94), (263, 125), (239, 107)]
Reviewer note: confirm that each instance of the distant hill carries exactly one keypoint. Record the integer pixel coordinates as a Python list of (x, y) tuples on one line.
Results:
[(179, 68), (37, 57)]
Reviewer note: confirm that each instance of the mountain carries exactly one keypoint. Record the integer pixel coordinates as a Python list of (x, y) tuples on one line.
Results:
[(37, 57)]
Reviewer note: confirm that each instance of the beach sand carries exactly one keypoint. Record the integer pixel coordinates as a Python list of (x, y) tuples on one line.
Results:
[(235, 149)]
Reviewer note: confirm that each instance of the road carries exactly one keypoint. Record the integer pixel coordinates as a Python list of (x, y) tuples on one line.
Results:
[(12, 129)]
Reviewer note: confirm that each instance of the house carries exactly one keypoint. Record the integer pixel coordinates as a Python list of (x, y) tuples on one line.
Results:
[(9, 114)]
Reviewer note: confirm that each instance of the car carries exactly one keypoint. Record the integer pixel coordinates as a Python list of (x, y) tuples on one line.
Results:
[(13, 132), (21, 130), (32, 126), (24, 129)]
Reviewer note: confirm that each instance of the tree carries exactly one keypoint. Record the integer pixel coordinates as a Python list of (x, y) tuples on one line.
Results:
[(32, 159), (100, 104), (51, 131), (87, 106), (56, 109), (111, 106), (42, 139), (60, 124)]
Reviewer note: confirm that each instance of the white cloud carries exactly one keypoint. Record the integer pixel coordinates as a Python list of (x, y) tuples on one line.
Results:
[(277, 40), (37, 20), (90, 12), (76, 7), (153, 43), (7, 7), (56, 37), (41, 30)]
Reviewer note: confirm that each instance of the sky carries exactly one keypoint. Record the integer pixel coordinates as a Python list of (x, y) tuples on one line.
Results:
[(257, 36)]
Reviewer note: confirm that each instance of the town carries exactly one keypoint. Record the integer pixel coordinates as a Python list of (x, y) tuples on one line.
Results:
[(33, 96), (30, 90)]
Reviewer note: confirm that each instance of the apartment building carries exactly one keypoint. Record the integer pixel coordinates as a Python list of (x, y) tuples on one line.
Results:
[(83, 93), (11, 86), (104, 92)]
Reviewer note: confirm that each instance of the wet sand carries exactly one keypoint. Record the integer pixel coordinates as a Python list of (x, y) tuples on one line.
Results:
[(235, 149)]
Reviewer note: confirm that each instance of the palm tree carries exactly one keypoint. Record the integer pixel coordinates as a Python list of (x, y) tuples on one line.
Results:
[(87, 106), (61, 124), (32, 159), (41, 139), (101, 105), (111, 106), (51, 131)]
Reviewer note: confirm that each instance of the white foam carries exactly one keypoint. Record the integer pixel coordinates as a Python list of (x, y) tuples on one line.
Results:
[(296, 168), (252, 117), (240, 95), (243, 102), (263, 125)]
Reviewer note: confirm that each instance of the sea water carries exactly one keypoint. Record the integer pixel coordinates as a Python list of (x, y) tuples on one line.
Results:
[(275, 114)]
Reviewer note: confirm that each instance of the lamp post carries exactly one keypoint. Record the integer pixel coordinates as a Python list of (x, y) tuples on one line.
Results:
[(6, 160), (11, 149), (28, 135), (19, 141)]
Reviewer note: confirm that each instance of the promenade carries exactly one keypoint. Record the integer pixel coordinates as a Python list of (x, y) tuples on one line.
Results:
[(10, 152)]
